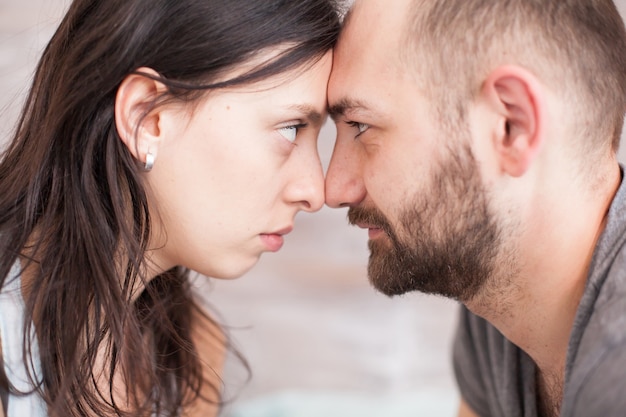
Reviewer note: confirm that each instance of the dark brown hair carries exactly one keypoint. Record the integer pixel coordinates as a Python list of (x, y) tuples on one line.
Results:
[(72, 200), (576, 47)]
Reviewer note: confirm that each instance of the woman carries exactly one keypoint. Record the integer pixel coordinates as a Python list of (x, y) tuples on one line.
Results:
[(158, 135)]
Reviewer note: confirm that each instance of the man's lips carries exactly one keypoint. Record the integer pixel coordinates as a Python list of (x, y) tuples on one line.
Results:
[(367, 225), (373, 231)]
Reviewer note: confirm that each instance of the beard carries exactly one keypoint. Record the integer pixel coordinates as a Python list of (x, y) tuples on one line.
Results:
[(447, 241)]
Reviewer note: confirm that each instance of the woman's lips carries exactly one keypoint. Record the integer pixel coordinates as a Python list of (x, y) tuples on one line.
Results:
[(275, 240)]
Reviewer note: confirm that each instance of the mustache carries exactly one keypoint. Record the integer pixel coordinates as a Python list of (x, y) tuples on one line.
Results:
[(368, 215)]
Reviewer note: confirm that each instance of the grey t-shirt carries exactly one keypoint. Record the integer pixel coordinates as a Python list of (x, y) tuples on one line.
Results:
[(497, 379)]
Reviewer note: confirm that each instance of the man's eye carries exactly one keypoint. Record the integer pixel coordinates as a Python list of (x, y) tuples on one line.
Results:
[(290, 132), (361, 127)]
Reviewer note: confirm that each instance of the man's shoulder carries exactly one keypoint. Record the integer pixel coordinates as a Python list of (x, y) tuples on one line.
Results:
[(597, 351), (494, 376), (605, 327), (614, 285), (597, 384), (607, 321), (597, 380)]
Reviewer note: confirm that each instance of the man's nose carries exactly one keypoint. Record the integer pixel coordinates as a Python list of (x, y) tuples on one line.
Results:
[(344, 182)]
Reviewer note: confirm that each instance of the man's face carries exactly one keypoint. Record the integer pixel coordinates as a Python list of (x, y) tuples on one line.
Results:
[(413, 184)]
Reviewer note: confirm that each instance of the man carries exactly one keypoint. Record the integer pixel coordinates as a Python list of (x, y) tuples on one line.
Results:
[(477, 143)]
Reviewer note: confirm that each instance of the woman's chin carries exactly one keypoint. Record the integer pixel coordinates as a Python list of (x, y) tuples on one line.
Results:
[(231, 271)]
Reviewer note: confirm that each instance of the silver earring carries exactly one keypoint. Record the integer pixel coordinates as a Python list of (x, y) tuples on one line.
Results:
[(149, 161)]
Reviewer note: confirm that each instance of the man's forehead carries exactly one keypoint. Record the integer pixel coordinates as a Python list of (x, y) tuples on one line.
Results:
[(377, 18), (367, 59), (373, 31)]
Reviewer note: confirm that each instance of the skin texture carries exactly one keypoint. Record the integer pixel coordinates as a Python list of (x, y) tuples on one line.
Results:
[(224, 190), (465, 411), (395, 159), (440, 226), (230, 174)]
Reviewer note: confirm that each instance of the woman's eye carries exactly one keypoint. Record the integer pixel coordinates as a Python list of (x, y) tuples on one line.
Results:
[(290, 132)]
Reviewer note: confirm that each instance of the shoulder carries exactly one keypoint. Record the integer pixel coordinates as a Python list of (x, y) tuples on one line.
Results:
[(477, 338), (601, 318), (467, 355), (607, 317), (489, 370), (601, 391), (597, 382)]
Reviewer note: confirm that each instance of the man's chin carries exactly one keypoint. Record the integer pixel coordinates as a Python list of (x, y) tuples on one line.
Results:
[(392, 275), (386, 289), (385, 272)]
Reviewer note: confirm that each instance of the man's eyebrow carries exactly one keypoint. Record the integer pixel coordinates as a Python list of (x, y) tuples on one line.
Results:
[(309, 112), (345, 105)]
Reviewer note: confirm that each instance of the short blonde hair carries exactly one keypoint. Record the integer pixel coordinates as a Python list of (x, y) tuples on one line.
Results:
[(575, 47)]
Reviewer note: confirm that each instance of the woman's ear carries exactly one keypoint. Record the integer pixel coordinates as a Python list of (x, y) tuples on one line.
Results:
[(136, 122), (518, 98)]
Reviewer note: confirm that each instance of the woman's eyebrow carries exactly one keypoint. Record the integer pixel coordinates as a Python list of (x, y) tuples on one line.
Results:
[(309, 112)]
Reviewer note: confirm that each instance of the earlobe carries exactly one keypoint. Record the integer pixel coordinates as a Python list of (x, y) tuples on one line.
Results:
[(517, 97), (136, 123)]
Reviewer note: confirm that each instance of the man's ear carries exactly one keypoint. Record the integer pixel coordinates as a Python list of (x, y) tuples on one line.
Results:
[(518, 98), (136, 122)]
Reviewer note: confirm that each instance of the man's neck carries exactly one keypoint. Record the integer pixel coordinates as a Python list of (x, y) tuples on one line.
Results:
[(549, 394), (543, 296)]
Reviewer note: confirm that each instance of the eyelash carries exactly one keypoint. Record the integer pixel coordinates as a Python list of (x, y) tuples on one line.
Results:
[(297, 126), (358, 126)]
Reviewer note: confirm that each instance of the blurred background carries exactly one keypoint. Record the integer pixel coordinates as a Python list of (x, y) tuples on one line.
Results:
[(319, 340)]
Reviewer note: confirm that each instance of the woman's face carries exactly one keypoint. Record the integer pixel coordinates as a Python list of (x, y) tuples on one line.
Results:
[(232, 174)]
